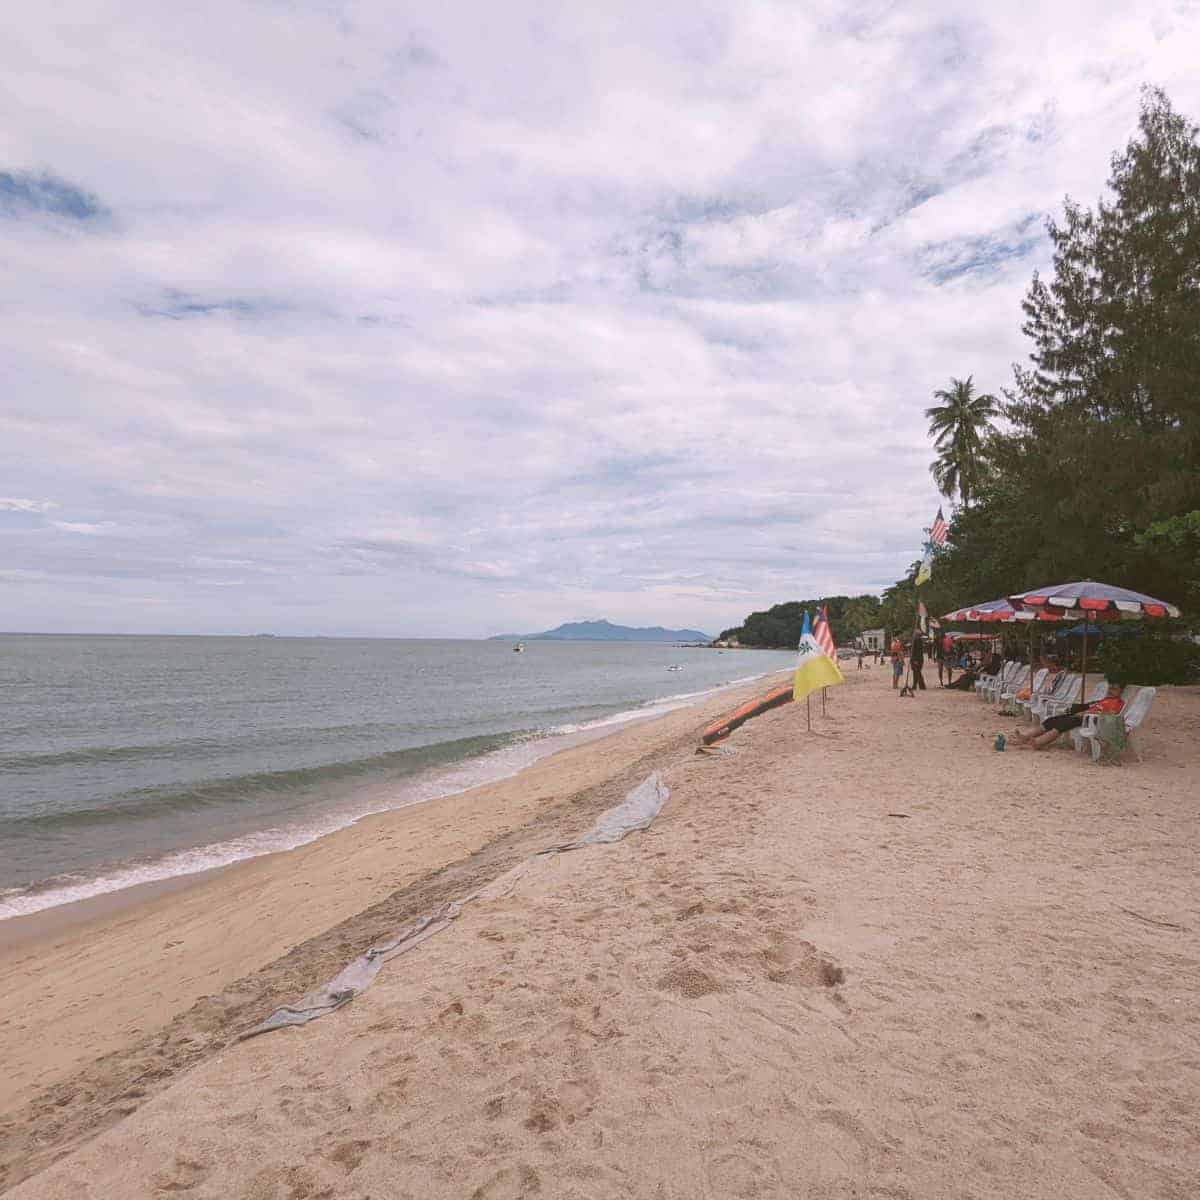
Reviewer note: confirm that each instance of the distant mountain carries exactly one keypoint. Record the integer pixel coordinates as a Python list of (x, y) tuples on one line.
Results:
[(605, 631)]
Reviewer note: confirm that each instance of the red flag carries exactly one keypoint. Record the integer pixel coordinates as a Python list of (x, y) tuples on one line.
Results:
[(939, 531), (823, 634)]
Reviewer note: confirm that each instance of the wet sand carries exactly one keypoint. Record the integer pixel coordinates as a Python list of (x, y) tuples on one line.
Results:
[(877, 960), (99, 995)]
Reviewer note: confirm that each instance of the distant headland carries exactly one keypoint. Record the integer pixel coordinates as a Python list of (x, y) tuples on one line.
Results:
[(606, 631)]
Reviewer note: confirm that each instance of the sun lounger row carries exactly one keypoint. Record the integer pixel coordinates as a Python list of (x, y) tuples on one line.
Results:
[(1052, 696)]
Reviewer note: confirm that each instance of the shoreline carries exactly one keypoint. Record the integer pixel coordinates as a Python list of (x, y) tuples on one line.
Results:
[(172, 869), (96, 977), (827, 966)]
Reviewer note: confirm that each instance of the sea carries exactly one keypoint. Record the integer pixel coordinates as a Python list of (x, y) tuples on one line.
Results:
[(125, 760)]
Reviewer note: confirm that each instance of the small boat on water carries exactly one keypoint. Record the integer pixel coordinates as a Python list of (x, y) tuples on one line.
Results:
[(519, 648), (674, 667)]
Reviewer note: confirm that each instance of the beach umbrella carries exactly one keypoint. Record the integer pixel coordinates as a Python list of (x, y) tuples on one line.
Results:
[(1086, 599), (997, 612), (1081, 630)]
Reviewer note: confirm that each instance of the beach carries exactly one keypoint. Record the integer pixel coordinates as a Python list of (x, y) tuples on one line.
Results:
[(876, 959)]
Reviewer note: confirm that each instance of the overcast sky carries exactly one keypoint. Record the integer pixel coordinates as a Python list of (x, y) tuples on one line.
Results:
[(413, 319)]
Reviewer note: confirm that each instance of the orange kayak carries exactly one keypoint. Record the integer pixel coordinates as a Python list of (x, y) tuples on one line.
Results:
[(752, 708)]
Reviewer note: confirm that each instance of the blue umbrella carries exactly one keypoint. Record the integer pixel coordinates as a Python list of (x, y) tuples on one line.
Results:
[(1099, 631)]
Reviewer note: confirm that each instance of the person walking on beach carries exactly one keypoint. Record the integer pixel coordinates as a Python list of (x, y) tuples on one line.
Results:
[(897, 662), (918, 660), (946, 660)]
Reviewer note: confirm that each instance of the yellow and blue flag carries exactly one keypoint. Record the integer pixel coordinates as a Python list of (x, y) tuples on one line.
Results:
[(814, 668), (925, 570)]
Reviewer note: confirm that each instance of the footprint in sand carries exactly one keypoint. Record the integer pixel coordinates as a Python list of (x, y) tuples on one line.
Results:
[(184, 1175), (797, 962), (349, 1154), (509, 1183)]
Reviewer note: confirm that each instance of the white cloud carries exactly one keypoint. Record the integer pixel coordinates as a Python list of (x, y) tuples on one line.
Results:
[(511, 314), (13, 504), (84, 527)]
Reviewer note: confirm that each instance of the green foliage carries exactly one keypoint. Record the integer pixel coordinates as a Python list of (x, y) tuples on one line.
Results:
[(1178, 537), (959, 428), (1149, 660), (1095, 471), (779, 627), (1098, 467)]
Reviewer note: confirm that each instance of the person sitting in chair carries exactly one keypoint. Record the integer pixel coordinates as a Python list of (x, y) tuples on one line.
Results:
[(1052, 728)]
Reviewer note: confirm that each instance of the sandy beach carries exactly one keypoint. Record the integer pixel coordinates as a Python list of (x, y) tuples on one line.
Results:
[(874, 960)]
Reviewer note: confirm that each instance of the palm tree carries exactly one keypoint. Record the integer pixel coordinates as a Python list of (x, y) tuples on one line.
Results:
[(958, 426)]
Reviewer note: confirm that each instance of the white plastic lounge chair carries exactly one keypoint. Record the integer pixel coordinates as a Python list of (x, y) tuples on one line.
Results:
[(991, 693), (1097, 688), (986, 680), (991, 690), (1066, 694), (1137, 709), (1009, 694), (1042, 692)]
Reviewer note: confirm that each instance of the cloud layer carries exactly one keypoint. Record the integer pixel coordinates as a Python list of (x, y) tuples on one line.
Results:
[(353, 319)]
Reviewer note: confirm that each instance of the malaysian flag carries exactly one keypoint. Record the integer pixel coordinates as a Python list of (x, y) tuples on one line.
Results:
[(939, 531), (823, 634)]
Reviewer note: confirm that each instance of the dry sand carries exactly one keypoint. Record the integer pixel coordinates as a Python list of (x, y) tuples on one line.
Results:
[(878, 960), (106, 1000)]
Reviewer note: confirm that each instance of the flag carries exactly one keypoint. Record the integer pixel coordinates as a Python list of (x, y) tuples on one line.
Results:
[(814, 668), (823, 634), (939, 531), (925, 570), (923, 614)]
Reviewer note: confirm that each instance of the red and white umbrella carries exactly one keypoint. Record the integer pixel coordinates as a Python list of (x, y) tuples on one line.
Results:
[(1097, 600), (993, 610), (1087, 598)]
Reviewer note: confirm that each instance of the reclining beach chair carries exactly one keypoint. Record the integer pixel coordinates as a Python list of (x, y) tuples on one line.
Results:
[(984, 680), (985, 685), (1064, 695), (1041, 693), (1092, 733), (1097, 688), (1005, 681), (1009, 694)]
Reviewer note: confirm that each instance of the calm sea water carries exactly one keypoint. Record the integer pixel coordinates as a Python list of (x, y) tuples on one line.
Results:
[(128, 759)]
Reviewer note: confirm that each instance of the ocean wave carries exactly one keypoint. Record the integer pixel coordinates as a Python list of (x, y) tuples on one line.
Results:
[(148, 803), (499, 764), (658, 706), (435, 771)]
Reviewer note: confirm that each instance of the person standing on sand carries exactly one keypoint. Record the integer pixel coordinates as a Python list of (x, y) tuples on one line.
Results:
[(897, 662), (918, 660), (946, 659)]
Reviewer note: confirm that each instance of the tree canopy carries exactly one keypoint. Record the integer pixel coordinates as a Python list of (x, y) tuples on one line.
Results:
[(1094, 468), (959, 426)]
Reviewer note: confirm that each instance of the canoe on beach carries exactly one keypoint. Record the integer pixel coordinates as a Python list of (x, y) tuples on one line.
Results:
[(752, 708)]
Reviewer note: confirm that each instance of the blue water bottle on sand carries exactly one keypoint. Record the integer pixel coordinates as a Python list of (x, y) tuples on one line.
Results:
[(1000, 743)]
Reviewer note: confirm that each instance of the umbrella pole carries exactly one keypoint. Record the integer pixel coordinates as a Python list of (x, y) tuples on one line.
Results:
[(1083, 664), (824, 693), (808, 711), (1031, 660)]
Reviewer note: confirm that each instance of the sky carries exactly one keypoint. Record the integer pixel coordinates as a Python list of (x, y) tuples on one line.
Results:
[(397, 319)]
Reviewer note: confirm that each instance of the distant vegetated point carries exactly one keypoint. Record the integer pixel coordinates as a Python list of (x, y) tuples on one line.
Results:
[(605, 631)]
